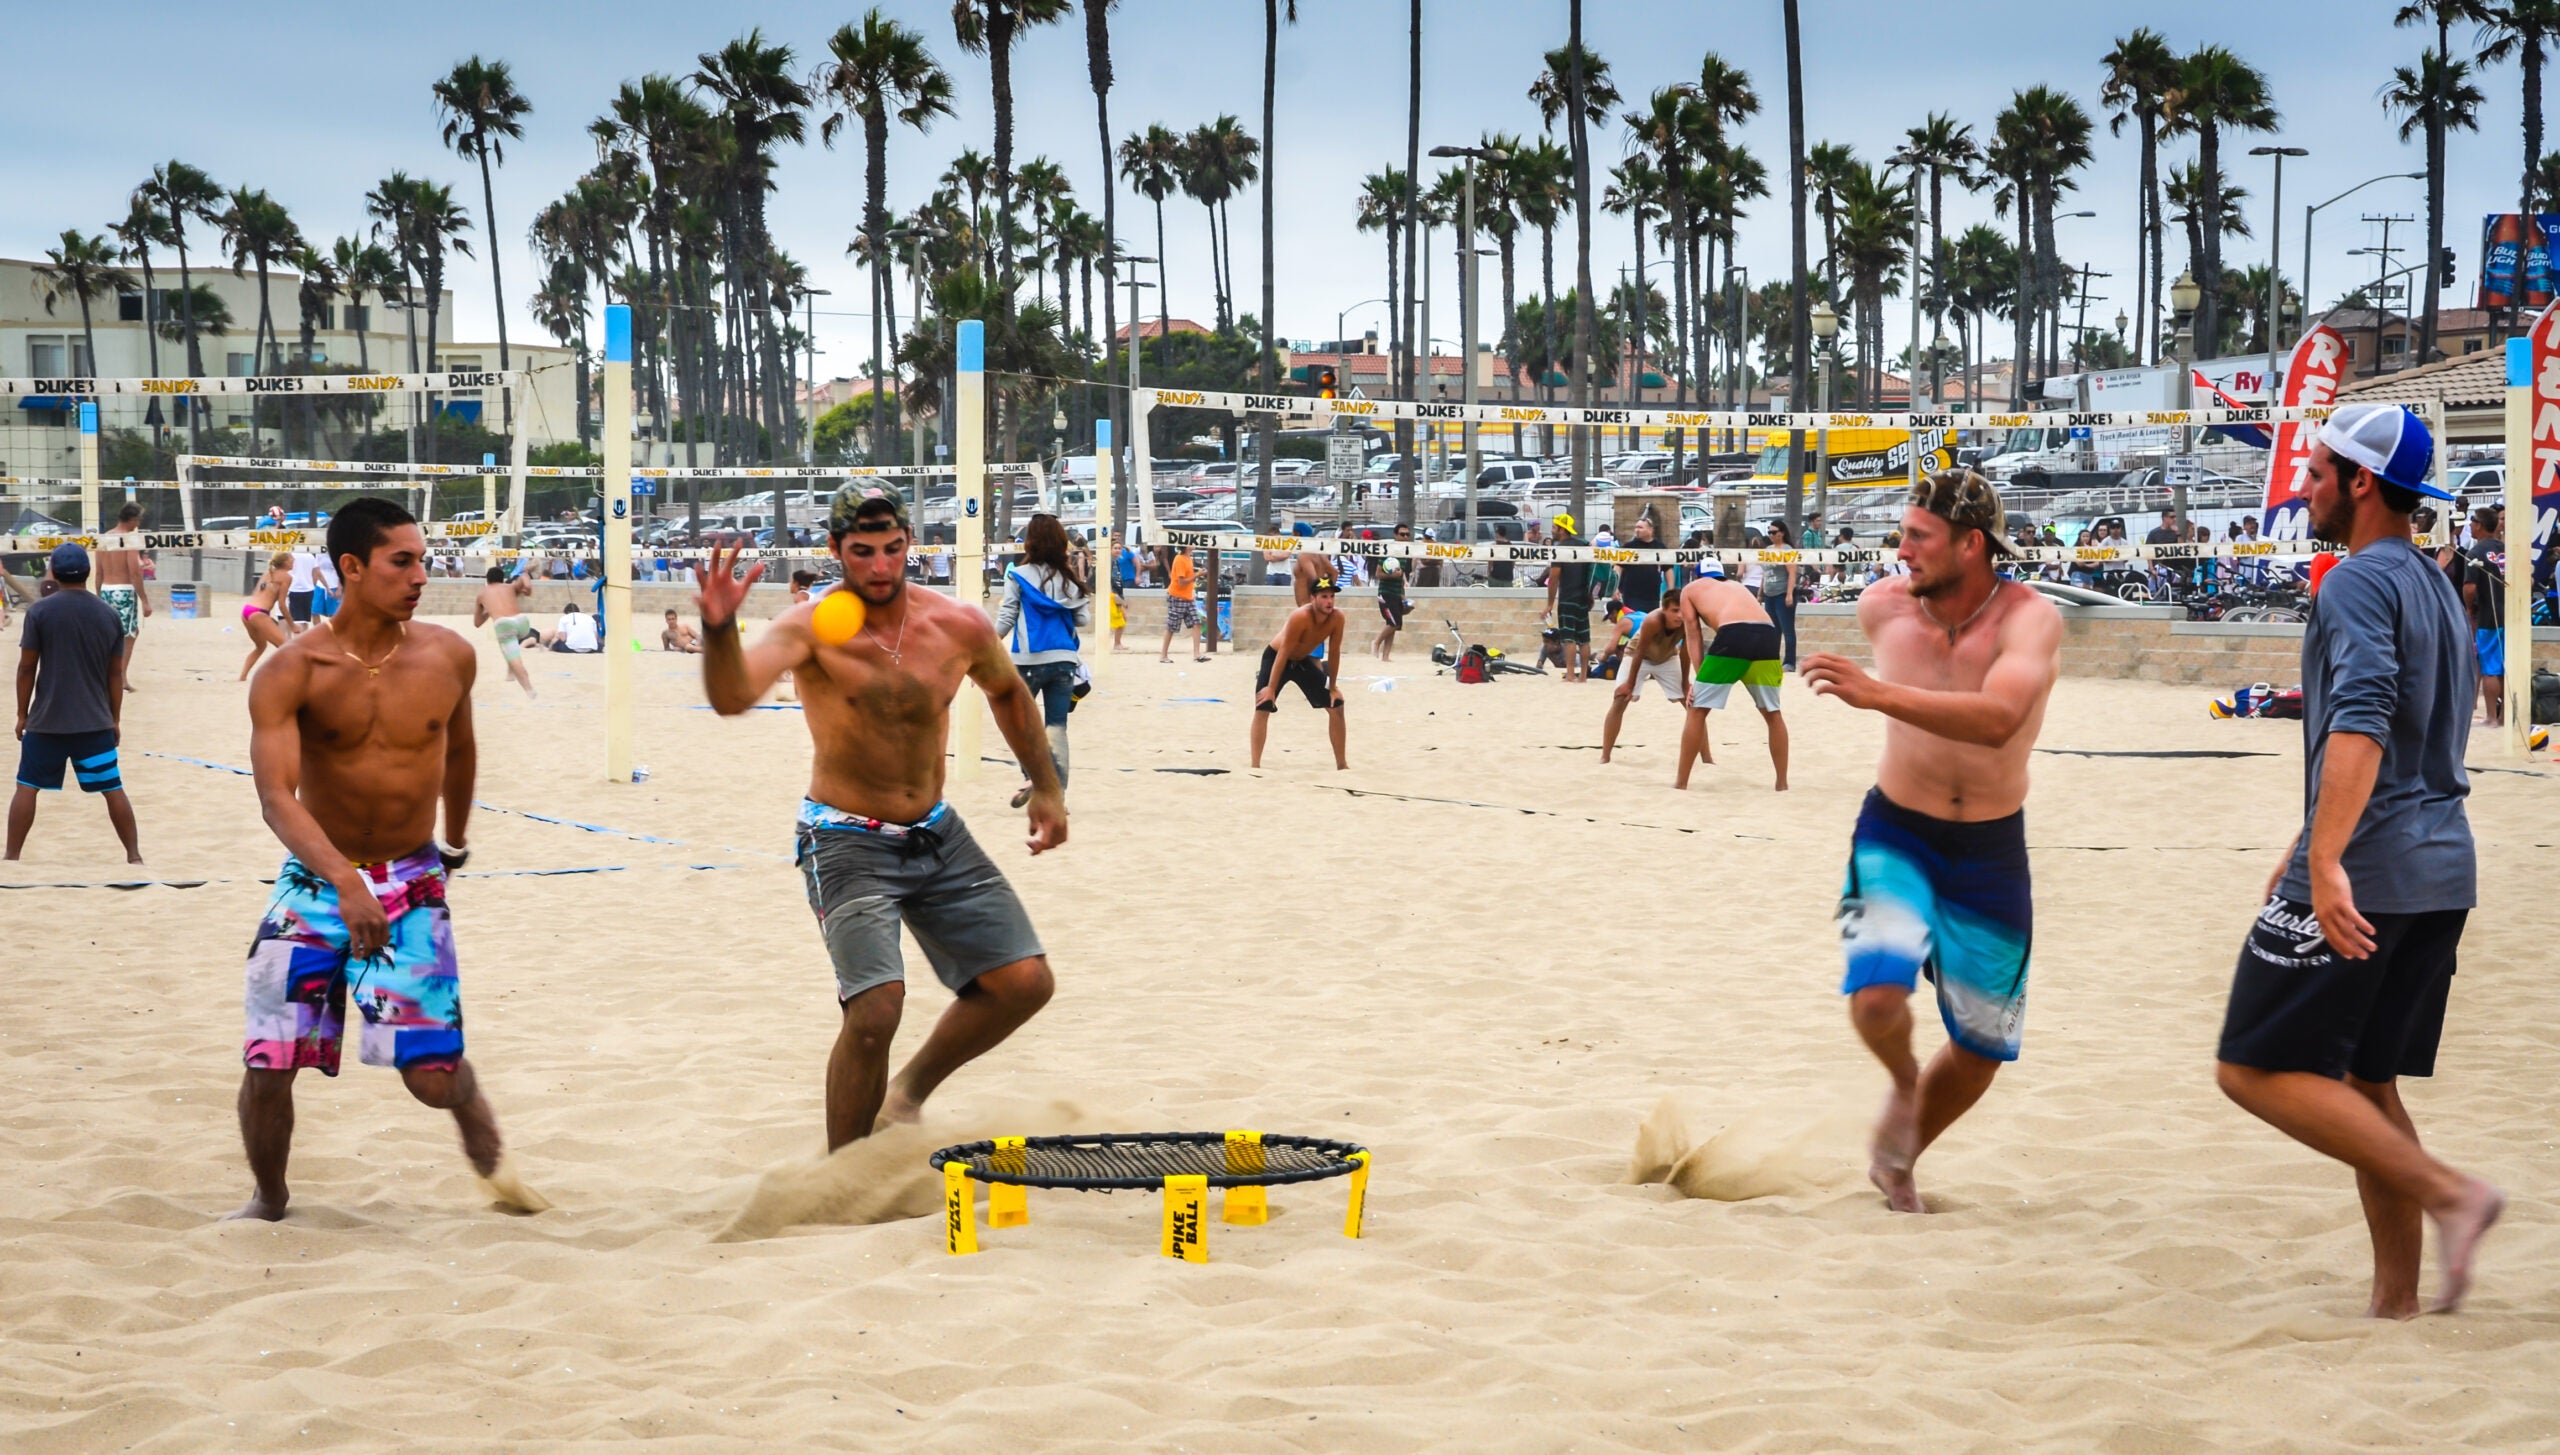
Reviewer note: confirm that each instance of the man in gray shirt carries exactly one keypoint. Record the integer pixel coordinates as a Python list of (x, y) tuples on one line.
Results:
[(2341, 988), (71, 700)]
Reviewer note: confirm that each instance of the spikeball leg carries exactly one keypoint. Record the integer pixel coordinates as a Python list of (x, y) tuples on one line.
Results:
[(959, 1211), (1245, 1206), (1359, 1195), (1185, 1229), (1008, 1203)]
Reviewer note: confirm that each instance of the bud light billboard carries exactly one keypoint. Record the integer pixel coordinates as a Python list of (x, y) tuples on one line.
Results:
[(2515, 259)]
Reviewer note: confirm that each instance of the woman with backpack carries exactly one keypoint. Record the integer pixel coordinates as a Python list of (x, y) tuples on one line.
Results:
[(1047, 604)]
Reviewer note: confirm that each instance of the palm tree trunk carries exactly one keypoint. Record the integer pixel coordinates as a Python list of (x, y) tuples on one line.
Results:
[(1098, 67), (1217, 280), (2209, 213), (2022, 310), (1000, 76), (1263, 364), (875, 186), (1802, 321), (1674, 189), (1511, 323), (497, 289), (1579, 134), (1164, 298), (1411, 222), (264, 340), (2435, 235), (187, 316), (1227, 243)]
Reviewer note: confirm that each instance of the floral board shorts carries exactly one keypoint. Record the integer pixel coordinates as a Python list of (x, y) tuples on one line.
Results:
[(300, 973)]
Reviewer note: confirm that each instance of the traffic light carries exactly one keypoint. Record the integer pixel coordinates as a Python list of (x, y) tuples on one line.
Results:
[(2444, 267), (1325, 381)]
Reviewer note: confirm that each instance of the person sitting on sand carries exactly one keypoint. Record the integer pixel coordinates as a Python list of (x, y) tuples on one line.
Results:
[(677, 637), (1292, 660), (1657, 653), (500, 607), (1731, 640), (358, 735), (578, 631)]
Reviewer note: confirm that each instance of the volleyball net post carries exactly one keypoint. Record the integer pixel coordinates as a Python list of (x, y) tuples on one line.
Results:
[(618, 642), (1106, 542), (89, 465), (969, 575)]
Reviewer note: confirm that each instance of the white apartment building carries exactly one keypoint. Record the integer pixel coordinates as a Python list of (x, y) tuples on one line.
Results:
[(40, 436)]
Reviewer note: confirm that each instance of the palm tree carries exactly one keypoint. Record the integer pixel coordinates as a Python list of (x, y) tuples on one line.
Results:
[(1267, 358), (1498, 213), (1635, 193), (83, 267), (761, 103), (1542, 184), (1219, 159), (2546, 180), (1875, 234), (2039, 141), (258, 231), (482, 112), (1576, 86), (1412, 258), (1828, 169), (182, 192), (990, 28), (2436, 97), (144, 225), (2523, 30), (363, 267), (879, 68), (318, 288), (1662, 131), (1038, 189), (1942, 144), (1381, 209), (2141, 70), (2216, 91), (1151, 161), (1097, 60), (1982, 276), (2186, 193)]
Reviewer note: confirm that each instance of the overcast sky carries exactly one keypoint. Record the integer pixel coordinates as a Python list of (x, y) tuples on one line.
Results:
[(316, 103)]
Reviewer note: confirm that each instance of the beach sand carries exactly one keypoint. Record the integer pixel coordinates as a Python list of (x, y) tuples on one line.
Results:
[(1479, 953)]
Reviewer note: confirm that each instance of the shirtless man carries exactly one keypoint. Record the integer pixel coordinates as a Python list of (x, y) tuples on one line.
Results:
[(1659, 653), (1731, 639), (877, 842), (500, 607), (120, 581), (1937, 876), (677, 637), (357, 733), (1291, 660)]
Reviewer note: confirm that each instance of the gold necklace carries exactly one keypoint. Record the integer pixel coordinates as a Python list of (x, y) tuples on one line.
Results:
[(374, 669)]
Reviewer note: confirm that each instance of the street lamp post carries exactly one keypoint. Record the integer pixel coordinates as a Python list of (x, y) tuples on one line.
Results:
[(1826, 327), (2275, 253), (2183, 297), (2312, 213), (1137, 346), (1741, 343), (915, 239)]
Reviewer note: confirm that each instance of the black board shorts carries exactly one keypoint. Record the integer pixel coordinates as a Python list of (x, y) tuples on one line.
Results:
[(2298, 1005), (1302, 674)]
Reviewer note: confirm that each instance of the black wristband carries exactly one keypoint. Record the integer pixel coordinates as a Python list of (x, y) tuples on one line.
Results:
[(453, 858)]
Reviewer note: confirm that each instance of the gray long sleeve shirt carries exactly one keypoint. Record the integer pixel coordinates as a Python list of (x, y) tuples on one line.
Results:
[(2388, 656)]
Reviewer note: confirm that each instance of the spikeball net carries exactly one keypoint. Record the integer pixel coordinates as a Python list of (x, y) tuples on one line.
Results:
[(1182, 1165)]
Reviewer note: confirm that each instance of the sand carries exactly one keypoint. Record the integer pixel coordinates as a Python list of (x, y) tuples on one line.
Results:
[(1479, 952)]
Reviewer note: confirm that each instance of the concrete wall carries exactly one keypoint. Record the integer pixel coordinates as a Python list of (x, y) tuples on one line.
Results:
[(1504, 619), (448, 597)]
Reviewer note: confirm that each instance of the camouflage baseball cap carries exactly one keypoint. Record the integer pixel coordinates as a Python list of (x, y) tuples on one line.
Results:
[(866, 509), (1965, 500)]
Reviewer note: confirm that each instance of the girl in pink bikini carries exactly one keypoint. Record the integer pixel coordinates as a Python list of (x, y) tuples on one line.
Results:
[(258, 613)]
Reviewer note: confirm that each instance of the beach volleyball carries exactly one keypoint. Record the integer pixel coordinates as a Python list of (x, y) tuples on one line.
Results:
[(838, 617)]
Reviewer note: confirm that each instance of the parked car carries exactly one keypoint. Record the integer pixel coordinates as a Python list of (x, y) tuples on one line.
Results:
[(1208, 472), (1507, 474)]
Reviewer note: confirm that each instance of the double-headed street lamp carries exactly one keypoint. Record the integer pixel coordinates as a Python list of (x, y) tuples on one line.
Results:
[(1826, 329), (2312, 212), (2275, 254)]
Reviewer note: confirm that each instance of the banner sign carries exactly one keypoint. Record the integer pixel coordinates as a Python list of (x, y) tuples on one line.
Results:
[(1613, 418), (2545, 459), (1235, 541), (2310, 379), (78, 386), (190, 463), (2515, 259)]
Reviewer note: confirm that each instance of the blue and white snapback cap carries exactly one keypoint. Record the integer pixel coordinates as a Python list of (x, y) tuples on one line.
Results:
[(2389, 441)]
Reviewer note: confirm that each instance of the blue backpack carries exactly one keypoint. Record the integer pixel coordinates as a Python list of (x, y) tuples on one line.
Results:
[(1045, 624)]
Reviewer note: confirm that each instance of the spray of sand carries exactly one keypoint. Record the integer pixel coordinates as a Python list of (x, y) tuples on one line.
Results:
[(1753, 1156), (885, 1176), (507, 1190)]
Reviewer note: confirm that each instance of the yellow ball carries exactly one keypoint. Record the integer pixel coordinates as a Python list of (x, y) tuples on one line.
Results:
[(838, 617)]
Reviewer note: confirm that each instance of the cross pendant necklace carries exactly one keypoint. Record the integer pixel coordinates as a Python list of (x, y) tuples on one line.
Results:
[(897, 654)]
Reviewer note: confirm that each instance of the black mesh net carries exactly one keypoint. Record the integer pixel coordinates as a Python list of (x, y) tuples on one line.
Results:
[(1112, 1162)]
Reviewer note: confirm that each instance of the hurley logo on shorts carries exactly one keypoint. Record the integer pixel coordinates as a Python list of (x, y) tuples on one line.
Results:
[(2303, 929)]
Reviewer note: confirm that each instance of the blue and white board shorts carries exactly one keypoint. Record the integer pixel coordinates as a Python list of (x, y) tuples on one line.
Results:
[(1949, 900)]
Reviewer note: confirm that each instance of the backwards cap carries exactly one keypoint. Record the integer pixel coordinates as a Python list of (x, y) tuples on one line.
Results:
[(2389, 441), (855, 508)]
